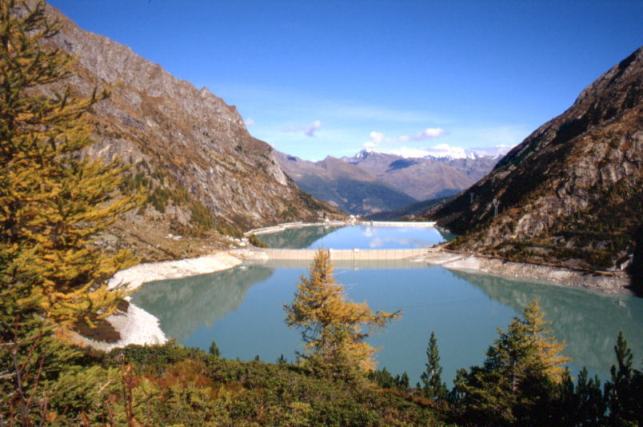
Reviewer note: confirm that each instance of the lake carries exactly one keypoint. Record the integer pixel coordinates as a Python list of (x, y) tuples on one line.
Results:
[(242, 310), (361, 236)]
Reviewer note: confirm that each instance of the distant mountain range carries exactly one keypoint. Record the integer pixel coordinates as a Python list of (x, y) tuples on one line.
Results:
[(571, 193), (371, 182)]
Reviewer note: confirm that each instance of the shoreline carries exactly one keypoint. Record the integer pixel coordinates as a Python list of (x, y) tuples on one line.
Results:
[(137, 326), (616, 284), (295, 225)]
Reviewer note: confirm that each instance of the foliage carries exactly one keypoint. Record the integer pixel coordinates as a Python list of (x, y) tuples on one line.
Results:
[(53, 200), (332, 327), (214, 349), (256, 241), (433, 387), (520, 370), (623, 394)]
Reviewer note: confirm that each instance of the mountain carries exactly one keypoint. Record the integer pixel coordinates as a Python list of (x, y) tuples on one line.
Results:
[(424, 178), (370, 183), (344, 185), (571, 193), (186, 145)]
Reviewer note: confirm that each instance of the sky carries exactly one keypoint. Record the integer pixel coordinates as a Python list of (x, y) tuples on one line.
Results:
[(333, 77)]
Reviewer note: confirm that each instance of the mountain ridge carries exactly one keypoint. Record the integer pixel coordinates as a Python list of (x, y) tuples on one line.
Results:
[(185, 145), (383, 182), (571, 193)]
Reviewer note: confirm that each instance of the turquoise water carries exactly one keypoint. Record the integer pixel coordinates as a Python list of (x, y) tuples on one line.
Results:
[(355, 236), (242, 310)]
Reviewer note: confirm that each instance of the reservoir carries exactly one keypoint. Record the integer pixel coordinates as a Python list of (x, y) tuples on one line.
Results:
[(242, 310), (362, 236)]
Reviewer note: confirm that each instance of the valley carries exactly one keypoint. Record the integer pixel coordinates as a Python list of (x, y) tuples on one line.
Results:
[(172, 256)]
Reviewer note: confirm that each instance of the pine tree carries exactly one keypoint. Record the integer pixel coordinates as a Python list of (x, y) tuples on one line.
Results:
[(403, 381), (214, 349), (519, 373), (623, 401), (433, 387), (333, 328), (591, 405), (53, 200)]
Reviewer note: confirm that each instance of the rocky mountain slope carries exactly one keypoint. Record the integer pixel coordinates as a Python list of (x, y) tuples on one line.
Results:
[(570, 194), (189, 148), (371, 182)]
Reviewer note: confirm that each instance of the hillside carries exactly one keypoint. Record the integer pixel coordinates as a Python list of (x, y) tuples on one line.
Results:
[(371, 183), (188, 147), (571, 193)]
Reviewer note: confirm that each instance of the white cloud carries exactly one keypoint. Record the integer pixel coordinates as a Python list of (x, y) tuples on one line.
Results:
[(308, 130), (446, 150), (312, 128), (408, 152), (426, 134), (376, 137), (249, 121)]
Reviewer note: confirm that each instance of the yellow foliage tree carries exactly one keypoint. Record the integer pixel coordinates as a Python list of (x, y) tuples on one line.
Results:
[(332, 327), (547, 349), (53, 200)]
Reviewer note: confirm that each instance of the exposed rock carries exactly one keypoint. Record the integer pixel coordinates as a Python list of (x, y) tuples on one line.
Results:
[(186, 145), (570, 194)]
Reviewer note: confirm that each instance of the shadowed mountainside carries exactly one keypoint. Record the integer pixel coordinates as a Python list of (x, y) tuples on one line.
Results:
[(570, 194)]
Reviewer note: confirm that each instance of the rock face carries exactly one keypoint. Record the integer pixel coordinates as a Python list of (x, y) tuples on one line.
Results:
[(370, 183), (187, 146), (570, 194)]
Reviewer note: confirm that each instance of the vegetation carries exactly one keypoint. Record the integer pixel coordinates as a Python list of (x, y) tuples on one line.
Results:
[(517, 375), (256, 241), (332, 327), (53, 201), (432, 384)]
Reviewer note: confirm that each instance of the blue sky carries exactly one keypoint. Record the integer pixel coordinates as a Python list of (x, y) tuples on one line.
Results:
[(327, 77)]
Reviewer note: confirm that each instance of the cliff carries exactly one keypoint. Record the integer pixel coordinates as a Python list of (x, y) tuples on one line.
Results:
[(571, 194)]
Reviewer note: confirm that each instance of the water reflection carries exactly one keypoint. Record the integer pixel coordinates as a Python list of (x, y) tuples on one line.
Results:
[(357, 236), (242, 309), (588, 322), (184, 305), (296, 238)]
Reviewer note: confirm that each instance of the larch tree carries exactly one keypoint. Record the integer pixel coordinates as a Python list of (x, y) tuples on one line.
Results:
[(53, 200), (333, 329), (522, 367)]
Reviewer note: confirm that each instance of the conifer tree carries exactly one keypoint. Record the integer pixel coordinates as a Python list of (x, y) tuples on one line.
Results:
[(520, 371), (624, 402), (432, 384), (591, 405), (53, 200), (332, 327)]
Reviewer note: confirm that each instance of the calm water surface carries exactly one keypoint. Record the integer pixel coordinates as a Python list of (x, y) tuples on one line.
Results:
[(242, 310), (355, 236)]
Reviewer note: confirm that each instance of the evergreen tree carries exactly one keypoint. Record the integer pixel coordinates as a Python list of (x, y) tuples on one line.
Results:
[(591, 405), (333, 328), (214, 349), (402, 381), (433, 387), (624, 403), (53, 200), (521, 370)]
